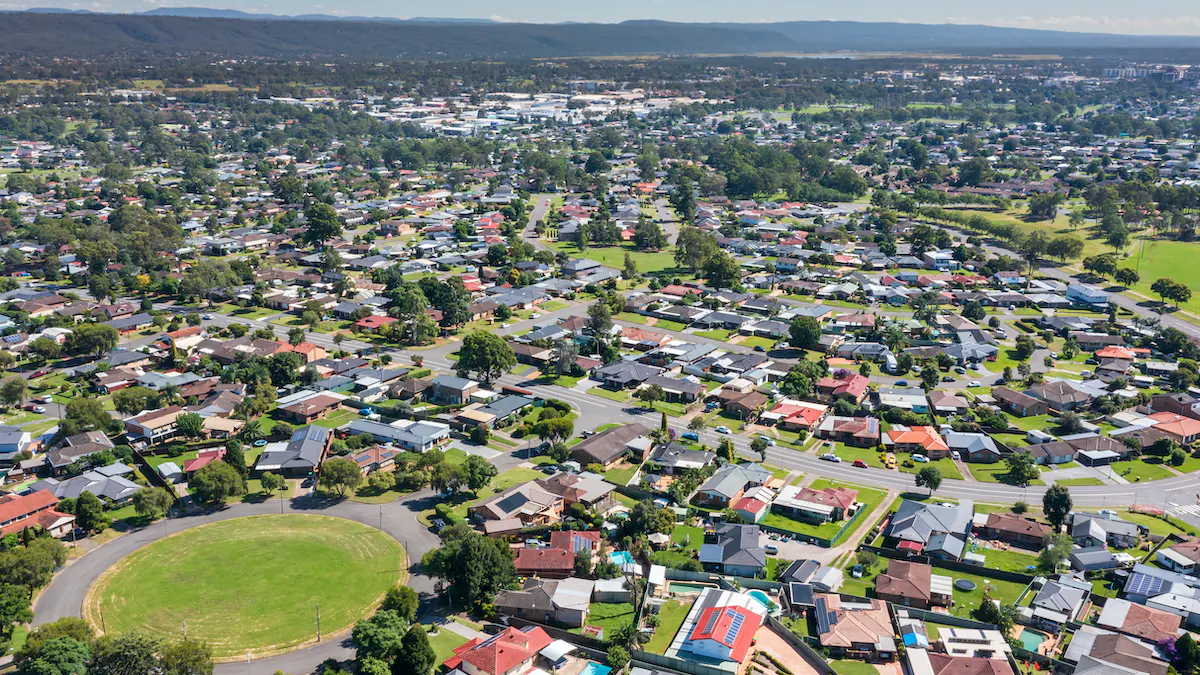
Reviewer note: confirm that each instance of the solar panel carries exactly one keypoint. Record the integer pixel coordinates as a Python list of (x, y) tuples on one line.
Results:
[(822, 614), (711, 623), (735, 626)]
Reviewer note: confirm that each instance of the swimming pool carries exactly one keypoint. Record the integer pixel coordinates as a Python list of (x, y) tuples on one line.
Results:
[(593, 668), (1031, 639), (762, 599), (620, 558), (679, 587)]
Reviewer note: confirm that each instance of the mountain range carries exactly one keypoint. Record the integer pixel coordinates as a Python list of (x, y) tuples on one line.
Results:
[(195, 30)]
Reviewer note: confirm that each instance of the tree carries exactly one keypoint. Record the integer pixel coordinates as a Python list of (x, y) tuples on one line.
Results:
[(1187, 654), (583, 563), (339, 474), (1021, 468), (554, 430), (475, 567), (726, 450), (187, 657), (382, 481), (650, 395), (1055, 551), (14, 390), (973, 310), (32, 565), (58, 656), (152, 502), (132, 653), (416, 655), (215, 482), (190, 425), (45, 348), (1127, 276), (617, 658), (380, 636), (804, 332), (600, 319), (1101, 265), (990, 611), (86, 414), (14, 607), (132, 400), (402, 600), (92, 338), (323, 225), (89, 513), (630, 270), (486, 354), (648, 518), (478, 472), (929, 477), (1056, 504), (273, 482), (564, 355), (722, 271), (693, 248)]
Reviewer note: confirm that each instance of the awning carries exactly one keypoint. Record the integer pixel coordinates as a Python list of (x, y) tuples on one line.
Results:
[(909, 546), (557, 650)]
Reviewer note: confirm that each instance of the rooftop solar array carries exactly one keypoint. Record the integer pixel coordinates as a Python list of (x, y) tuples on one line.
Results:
[(735, 626)]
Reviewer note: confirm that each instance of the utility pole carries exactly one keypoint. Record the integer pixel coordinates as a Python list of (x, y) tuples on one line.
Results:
[(318, 622)]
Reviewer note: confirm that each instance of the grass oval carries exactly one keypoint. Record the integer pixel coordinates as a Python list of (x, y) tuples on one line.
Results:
[(249, 586)]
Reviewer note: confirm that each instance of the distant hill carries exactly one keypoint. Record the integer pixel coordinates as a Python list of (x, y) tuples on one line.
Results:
[(47, 32)]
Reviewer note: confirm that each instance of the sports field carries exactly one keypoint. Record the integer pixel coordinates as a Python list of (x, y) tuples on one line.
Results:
[(249, 585)]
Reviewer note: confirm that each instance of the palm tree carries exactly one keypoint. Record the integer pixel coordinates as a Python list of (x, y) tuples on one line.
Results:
[(253, 430), (170, 394)]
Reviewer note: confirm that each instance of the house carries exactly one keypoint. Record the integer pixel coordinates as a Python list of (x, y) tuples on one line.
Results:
[(451, 390), (1061, 396), (1094, 530), (33, 510), (674, 458), (912, 399), (916, 524), (110, 483), (1182, 429), (1019, 404), (551, 563), (311, 408), (608, 448), (913, 584), (734, 550), (973, 446), (575, 541), (77, 447), (855, 628), (922, 440), (563, 602), (861, 432), (155, 426), (829, 504), (729, 483), (529, 503), (795, 415), (1139, 621), (589, 491), (1099, 652), (946, 402), (513, 651), (1013, 529), (375, 458), (300, 456), (925, 662), (1088, 296), (624, 374), (1059, 601), (411, 435), (723, 633), (1183, 557)]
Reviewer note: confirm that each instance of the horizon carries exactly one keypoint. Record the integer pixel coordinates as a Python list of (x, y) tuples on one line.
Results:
[(1164, 17)]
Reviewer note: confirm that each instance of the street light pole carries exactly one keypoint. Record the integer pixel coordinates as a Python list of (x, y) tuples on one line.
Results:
[(318, 622)]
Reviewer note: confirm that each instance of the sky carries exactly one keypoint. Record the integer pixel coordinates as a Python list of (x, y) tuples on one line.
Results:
[(1151, 17)]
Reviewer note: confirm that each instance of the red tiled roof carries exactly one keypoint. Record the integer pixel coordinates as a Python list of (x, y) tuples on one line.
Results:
[(721, 629), (566, 539), (545, 559), (501, 653), (14, 507)]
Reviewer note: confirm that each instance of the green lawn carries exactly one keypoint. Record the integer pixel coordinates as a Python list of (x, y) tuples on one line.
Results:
[(846, 667), (608, 616), (870, 499), (1079, 482), (1137, 470), (336, 419), (622, 396), (721, 335), (755, 341), (1173, 259), (630, 317), (964, 602), (670, 618), (614, 256), (260, 597), (946, 465), (849, 453), (444, 643), (995, 473), (620, 476), (1012, 560), (514, 476)]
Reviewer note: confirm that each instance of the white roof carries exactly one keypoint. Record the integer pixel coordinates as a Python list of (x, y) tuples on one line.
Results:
[(556, 650)]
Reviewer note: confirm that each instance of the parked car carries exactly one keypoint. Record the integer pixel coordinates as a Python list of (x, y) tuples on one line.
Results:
[(759, 348), (960, 370), (771, 549), (954, 455), (920, 459), (947, 378), (856, 571), (39, 409), (206, 317), (902, 383), (767, 439), (974, 383), (690, 436), (438, 524), (860, 464), (39, 373), (830, 457), (723, 430), (506, 325), (45, 399)]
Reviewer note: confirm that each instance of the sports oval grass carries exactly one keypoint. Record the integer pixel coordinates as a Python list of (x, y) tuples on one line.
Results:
[(249, 585)]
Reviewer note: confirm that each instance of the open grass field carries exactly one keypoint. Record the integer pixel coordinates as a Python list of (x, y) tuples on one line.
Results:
[(614, 256), (1155, 259), (250, 585)]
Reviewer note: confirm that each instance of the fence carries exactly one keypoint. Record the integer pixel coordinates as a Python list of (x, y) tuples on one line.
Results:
[(952, 565), (812, 656), (152, 476), (557, 633), (716, 579), (651, 659)]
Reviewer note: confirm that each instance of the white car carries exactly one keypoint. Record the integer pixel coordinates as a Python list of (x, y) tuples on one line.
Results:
[(974, 383), (723, 430), (771, 549), (830, 457), (206, 317), (954, 455), (506, 325), (38, 409), (920, 459), (767, 439), (535, 315), (46, 399)]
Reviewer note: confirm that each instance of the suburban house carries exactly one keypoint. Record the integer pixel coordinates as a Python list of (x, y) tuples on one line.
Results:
[(608, 448), (514, 651), (948, 403), (1013, 529), (451, 390), (563, 602), (723, 633), (973, 446), (913, 584), (1139, 621), (733, 549), (527, 503), (851, 388), (154, 426), (853, 628), (1183, 557), (416, 436), (110, 483), (1019, 404), (861, 432), (916, 526), (300, 456), (589, 491), (1094, 530), (829, 504), (551, 563), (1059, 601), (923, 440), (729, 483), (35, 510)]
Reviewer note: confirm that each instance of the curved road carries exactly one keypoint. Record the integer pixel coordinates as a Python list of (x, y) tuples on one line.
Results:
[(64, 596)]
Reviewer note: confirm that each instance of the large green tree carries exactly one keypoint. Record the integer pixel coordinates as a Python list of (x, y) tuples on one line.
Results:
[(474, 567), (486, 355)]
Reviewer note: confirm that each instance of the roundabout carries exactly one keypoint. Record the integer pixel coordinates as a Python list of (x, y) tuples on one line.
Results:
[(249, 586)]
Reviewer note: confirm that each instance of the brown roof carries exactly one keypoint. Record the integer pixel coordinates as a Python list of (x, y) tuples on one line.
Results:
[(905, 580), (1013, 524), (1127, 652), (960, 665), (545, 559), (1150, 624)]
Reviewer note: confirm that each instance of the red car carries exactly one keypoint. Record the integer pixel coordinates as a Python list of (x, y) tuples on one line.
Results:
[(39, 374), (860, 463)]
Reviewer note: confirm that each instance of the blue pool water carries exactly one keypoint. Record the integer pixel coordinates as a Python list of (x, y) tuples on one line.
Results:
[(593, 668), (763, 600), (1031, 639), (618, 558)]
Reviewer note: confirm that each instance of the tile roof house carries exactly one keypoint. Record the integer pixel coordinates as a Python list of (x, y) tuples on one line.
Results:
[(913, 584), (944, 664), (916, 524), (510, 652), (1140, 621), (851, 388), (1021, 405), (552, 563), (529, 503), (564, 602), (729, 483), (923, 439), (734, 550), (609, 447), (35, 510), (816, 506), (1014, 529), (860, 432), (723, 633), (855, 628)]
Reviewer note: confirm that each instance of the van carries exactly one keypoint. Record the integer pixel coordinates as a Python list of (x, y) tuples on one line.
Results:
[(772, 549)]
